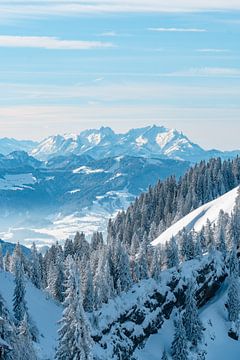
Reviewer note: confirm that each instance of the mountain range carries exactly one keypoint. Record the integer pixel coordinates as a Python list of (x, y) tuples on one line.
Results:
[(150, 141)]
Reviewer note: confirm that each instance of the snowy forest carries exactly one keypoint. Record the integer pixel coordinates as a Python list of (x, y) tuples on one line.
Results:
[(89, 279)]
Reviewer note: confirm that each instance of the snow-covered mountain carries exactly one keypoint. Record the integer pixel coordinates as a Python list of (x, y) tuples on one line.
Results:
[(198, 218), (8, 145), (150, 141)]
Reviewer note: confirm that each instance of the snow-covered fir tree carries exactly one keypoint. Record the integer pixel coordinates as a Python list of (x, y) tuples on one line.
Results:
[(75, 341), (35, 269), (179, 345), (172, 253), (25, 339), (19, 301), (192, 323), (233, 302)]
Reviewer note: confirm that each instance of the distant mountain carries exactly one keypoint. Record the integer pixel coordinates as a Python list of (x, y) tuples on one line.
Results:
[(148, 142), (18, 160), (7, 246), (8, 145)]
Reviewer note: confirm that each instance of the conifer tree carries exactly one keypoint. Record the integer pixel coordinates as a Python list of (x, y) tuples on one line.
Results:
[(179, 344), (1, 258), (35, 273), (233, 300), (172, 253), (155, 267), (87, 289), (28, 352), (192, 323), (75, 342), (19, 302)]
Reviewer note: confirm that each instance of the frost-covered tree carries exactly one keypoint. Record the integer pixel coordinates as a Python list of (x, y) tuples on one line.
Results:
[(35, 269), (81, 246), (55, 278), (192, 323), (179, 345), (233, 299), (75, 341), (25, 338), (1, 258), (233, 262), (7, 261), (103, 281), (220, 235), (198, 246), (19, 302), (143, 261), (87, 289), (155, 266), (172, 253)]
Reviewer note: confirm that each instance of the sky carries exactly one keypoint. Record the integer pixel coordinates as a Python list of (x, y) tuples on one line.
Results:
[(71, 65)]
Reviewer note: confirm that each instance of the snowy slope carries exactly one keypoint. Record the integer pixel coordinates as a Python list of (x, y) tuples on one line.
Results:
[(45, 313), (217, 343), (197, 218)]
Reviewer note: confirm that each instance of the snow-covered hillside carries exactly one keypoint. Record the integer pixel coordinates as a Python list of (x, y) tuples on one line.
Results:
[(45, 313), (198, 218), (217, 343)]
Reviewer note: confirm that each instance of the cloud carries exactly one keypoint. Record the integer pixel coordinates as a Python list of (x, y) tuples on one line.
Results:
[(207, 72), (52, 43), (35, 8), (177, 30), (213, 50), (109, 34), (98, 90)]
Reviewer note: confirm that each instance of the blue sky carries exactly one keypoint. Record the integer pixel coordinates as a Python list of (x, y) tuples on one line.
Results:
[(71, 65)]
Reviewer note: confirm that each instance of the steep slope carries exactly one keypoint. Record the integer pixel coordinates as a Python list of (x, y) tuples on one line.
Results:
[(197, 218), (45, 313), (150, 141), (216, 340)]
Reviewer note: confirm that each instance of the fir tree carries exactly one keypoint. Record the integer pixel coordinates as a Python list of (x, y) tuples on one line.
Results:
[(1, 258), (233, 300), (35, 273), (155, 267), (25, 338), (192, 323), (19, 302), (179, 344), (75, 342), (172, 253)]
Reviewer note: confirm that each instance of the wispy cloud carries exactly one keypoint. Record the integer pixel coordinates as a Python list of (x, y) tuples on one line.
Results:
[(98, 90), (53, 43), (108, 34), (213, 50), (177, 30), (34, 8), (207, 72)]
